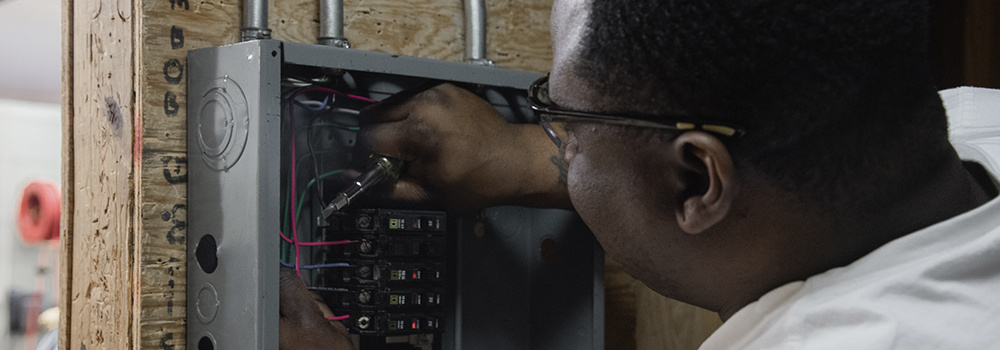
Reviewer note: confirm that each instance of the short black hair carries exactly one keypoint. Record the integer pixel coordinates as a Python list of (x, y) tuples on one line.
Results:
[(836, 97)]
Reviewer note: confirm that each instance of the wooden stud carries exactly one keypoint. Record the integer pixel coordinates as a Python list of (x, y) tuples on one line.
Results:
[(101, 286), (68, 181)]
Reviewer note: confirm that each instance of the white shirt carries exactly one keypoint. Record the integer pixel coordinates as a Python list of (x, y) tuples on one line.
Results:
[(937, 288)]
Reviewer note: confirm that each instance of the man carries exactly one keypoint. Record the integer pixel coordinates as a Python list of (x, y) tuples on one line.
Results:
[(785, 164)]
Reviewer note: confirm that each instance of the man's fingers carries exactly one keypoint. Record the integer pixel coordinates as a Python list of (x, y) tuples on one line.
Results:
[(397, 107), (407, 190), (296, 302), (396, 139), (386, 111)]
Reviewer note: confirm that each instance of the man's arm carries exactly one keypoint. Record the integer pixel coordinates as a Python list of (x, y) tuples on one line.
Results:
[(462, 154)]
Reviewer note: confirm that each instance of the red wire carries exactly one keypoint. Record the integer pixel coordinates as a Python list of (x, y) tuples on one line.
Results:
[(313, 244), (295, 233), (335, 92), (339, 318)]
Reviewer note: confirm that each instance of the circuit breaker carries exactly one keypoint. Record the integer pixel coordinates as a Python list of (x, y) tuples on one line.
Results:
[(272, 129)]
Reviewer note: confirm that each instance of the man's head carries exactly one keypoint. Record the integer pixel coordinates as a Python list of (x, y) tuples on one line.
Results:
[(836, 99)]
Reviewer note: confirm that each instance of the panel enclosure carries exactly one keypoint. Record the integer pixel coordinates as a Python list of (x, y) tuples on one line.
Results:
[(503, 293)]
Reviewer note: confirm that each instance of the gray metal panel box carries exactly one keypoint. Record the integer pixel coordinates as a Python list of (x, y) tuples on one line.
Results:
[(505, 295)]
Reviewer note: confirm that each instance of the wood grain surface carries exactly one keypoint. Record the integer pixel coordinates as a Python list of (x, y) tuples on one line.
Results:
[(636, 317), (100, 132), (67, 201)]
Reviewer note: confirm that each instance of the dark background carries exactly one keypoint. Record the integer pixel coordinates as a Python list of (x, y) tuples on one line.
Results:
[(965, 43)]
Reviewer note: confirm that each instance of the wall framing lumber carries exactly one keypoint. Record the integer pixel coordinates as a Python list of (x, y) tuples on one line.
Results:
[(125, 163), (98, 238), (66, 205)]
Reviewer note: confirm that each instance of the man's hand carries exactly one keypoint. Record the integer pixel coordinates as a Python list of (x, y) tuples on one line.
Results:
[(461, 153), (302, 324)]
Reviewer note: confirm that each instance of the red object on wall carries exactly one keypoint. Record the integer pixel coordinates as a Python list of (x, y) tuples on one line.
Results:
[(38, 217)]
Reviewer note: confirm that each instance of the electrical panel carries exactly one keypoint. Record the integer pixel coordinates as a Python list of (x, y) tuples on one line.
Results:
[(272, 134)]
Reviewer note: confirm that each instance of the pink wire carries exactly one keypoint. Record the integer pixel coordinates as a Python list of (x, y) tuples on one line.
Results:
[(339, 318), (335, 92), (291, 117), (313, 244), (295, 231)]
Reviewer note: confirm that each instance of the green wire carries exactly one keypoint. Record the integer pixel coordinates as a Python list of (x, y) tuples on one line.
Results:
[(286, 248), (302, 198)]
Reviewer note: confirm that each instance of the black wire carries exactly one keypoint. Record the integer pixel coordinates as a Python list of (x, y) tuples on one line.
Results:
[(312, 151)]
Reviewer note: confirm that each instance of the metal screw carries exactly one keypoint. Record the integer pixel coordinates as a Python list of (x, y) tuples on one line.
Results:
[(366, 247), (365, 297), (363, 322), (363, 221), (365, 272)]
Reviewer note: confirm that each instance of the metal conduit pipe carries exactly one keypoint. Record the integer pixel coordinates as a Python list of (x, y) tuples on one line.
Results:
[(475, 32), (331, 23), (255, 20)]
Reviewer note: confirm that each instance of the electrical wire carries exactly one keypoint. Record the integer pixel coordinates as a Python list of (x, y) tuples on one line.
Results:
[(302, 198), (314, 244), (312, 151), (346, 111), (287, 251), (337, 125), (338, 93), (322, 105), (288, 204), (317, 180), (292, 178), (315, 159), (334, 318), (324, 266)]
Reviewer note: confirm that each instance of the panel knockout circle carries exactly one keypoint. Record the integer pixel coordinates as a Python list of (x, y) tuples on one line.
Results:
[(223, 124), (207, 304)]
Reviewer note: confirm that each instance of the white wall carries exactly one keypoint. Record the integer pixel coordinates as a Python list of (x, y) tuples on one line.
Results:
[(30, 149), (29, 132), (30, 35)]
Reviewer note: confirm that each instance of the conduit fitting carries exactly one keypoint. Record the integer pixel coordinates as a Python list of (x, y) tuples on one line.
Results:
[(331, 24), (475, 32), (255, 21)]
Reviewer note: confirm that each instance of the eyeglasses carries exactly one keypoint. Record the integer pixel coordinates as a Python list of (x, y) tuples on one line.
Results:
[(554, 118)]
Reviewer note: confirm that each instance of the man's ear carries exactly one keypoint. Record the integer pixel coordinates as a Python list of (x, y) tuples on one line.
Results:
[(708, 181)]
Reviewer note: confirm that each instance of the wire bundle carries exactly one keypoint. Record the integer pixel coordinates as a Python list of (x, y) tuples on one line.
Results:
[(294, 207), (294, 240)]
